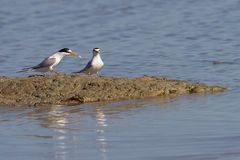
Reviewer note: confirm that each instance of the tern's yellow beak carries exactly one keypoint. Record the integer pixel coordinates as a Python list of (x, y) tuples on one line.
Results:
[(74, 54)]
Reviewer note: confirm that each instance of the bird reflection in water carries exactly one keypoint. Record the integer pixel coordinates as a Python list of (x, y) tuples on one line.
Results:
[(56, 118), (68, 124), (100, 129)]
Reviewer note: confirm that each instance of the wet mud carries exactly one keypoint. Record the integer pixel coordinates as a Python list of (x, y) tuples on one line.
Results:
[(77, 89)]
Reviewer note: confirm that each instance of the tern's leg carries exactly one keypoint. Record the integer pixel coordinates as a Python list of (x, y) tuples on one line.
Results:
[(55, 72), (37, 75)]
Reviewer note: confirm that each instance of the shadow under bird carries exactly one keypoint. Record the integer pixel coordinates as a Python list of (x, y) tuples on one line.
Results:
[(48, 63), (94, 65)]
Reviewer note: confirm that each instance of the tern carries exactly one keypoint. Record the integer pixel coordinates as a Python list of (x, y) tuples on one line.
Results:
[(94, 65), (48, 63)]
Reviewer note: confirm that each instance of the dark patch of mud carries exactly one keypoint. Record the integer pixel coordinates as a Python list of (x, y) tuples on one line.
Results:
[(76, 89)]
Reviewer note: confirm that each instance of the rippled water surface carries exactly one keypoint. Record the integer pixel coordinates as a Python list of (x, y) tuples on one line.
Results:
[(198, 41)]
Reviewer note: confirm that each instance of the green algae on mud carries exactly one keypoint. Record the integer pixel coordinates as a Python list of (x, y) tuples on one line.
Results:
[(76, 89)]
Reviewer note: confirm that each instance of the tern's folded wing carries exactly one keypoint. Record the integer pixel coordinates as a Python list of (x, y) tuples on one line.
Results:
[(46, 63), (89, 65)]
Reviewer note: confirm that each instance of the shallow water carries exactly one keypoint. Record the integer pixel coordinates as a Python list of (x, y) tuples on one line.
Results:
[(192, 40)]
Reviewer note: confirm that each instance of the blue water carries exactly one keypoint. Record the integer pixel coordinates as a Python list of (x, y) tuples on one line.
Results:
[(198, 41)]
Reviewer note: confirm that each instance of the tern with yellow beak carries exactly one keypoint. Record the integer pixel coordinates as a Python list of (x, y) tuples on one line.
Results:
[(48, 63)]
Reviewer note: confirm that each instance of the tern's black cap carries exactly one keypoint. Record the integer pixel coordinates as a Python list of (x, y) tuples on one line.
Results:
[(64, 50), (96, 49)]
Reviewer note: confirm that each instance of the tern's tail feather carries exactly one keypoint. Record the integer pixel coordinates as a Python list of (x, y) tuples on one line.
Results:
[(26, 70), (82, 71)]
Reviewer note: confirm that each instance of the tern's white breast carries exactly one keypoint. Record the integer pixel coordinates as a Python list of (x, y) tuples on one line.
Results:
[(97, 62), (96, 65)]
